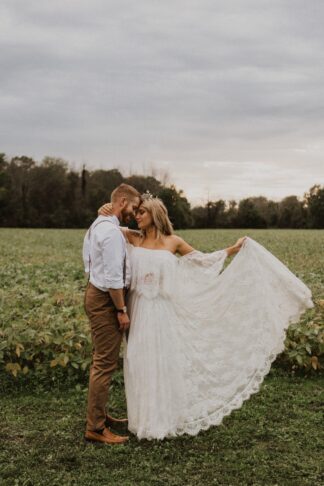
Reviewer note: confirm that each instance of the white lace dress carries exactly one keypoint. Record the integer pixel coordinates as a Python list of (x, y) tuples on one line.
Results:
[(201, 341)]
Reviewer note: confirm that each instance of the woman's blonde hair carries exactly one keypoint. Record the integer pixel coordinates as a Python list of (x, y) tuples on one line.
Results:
[(160, 217)]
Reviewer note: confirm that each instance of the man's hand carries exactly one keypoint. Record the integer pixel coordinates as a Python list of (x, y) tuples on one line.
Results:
[(123, 320), (105, 210)]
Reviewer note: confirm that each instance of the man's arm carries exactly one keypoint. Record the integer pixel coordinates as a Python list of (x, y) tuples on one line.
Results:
[(86, 252), (113, 253), (117, 296)]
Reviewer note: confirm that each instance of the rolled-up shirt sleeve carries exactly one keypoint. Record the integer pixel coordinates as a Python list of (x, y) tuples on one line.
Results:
[(113, 253)]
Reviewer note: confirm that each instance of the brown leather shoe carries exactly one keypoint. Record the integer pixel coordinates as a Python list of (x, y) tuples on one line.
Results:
[(107, 437)]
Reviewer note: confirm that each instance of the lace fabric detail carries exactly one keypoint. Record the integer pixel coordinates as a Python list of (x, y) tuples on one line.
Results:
[(194, 425), (213, 261), (202, 339), (153, 272)]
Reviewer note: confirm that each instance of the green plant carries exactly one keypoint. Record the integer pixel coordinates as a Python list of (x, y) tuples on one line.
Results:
[(44, 332)]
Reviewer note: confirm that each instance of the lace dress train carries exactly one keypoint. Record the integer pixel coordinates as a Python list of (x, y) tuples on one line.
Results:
[(201, 341)]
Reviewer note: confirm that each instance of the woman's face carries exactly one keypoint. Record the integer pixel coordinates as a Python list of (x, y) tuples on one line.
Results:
[(143, 218)]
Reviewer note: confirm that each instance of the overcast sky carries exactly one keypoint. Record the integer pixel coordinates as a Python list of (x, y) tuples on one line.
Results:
[(227, 96)]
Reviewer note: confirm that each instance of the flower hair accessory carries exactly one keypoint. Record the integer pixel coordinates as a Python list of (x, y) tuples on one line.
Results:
[(147, 195)]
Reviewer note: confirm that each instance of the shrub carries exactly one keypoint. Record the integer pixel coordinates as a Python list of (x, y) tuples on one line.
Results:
[(304, 345)]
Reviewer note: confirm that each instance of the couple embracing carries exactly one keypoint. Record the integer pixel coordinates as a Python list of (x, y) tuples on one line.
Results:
[(199, 339)]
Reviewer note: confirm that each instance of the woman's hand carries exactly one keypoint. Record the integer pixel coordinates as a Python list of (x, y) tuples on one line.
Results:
[(236, 248), (239, 243), (105, 210)]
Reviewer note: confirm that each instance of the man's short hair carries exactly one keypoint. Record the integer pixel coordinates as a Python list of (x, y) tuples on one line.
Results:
[(124, 190)]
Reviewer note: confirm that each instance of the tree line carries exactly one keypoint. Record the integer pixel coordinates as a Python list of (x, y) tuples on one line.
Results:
[(51, 194)]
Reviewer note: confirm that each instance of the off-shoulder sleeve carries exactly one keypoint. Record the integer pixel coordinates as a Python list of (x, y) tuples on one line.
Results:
[(213, 261)]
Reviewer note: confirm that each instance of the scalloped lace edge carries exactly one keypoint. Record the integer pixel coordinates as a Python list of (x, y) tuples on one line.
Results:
[(216, 418)]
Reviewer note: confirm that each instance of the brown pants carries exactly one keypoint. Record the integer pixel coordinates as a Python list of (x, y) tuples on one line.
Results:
[(106, 340)]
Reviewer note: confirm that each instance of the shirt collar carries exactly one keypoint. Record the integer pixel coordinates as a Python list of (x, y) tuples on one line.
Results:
[(113, 219)]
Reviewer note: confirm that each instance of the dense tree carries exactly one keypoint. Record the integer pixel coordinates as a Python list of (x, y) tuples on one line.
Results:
[(199, 217), (291, 213), (100, 184), (314, 201), (215, 214), (5, 190), (249, 216), (231, 214), (267, 210), (143, 183), (178, 207), (51, 194)]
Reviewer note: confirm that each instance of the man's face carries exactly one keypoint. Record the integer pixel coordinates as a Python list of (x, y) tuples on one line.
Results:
[(129, 209)]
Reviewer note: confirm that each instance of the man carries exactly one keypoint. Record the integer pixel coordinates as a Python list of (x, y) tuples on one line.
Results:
[(105, 259)]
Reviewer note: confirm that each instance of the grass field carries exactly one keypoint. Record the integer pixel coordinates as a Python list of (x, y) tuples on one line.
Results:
[(274, 439)]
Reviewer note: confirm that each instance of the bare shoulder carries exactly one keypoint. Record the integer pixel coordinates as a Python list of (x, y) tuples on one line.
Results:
[(170, 239), (134, 237), (179, 245), (175, 240)]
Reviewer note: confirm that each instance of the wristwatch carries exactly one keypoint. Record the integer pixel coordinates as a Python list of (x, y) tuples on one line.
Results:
[(123, 310)]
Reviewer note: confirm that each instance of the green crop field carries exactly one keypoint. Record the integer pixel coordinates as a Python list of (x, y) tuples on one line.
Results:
[(45, 354)]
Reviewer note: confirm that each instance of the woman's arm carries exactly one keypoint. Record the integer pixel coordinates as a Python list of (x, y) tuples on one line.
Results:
[(105, 210), (183, 248), (131, 235), (231, 250)]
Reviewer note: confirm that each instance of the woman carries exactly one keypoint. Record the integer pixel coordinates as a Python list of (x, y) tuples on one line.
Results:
[(200, 341)]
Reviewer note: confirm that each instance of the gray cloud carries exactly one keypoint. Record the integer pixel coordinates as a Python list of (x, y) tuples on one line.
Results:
[(227, 96)]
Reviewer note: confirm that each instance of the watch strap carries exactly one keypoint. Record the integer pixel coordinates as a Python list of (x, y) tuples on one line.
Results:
[(123, 310)]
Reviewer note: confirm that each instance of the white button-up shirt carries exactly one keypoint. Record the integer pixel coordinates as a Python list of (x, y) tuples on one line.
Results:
[(104, 253)]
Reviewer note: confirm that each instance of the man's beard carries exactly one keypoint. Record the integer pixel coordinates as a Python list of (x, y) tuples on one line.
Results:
[(126, 216)]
